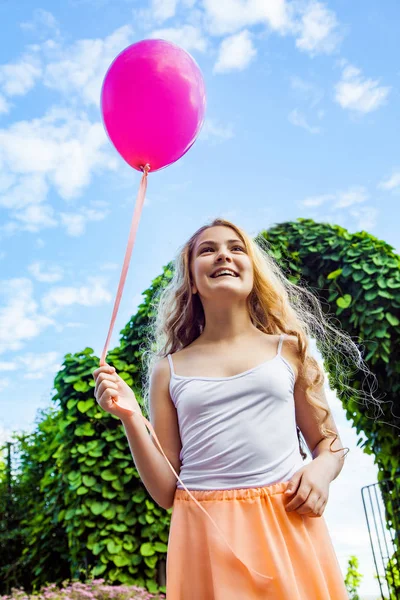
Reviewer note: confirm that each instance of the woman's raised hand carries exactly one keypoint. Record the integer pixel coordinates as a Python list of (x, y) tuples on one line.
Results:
[(113, 394)]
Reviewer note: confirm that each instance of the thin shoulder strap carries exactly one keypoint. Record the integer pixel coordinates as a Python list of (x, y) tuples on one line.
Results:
[(171, 366), (281, 337)]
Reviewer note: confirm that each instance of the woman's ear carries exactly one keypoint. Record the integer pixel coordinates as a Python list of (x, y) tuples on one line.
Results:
[(192, 286)]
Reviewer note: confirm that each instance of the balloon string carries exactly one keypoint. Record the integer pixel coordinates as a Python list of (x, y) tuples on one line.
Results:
[(151, 429), (131, 240)]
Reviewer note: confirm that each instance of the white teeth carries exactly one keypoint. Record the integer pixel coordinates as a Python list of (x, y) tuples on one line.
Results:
[(224, 273)]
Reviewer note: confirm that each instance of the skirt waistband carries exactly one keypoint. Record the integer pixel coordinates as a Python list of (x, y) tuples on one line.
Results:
[(232, 494)]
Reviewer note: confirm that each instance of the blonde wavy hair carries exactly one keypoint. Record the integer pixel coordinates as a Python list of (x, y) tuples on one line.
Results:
[(275, 305)]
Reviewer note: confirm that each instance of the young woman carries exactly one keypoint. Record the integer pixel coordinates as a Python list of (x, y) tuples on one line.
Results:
[(230, 385)]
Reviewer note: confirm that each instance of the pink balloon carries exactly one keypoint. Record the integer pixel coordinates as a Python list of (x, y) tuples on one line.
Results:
[(153, 103)]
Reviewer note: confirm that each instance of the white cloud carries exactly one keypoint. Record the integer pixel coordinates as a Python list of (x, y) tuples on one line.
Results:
[(36, 366), (229, 16), (62, 149), (79, 70), (75, 223), (313, 24), (317, 30), (4, 105), (353, 199), (20, 318), (339, 200), (188, 37), (359, 94), (45, 273), (213, 130), (161, 10), (354, 195), (76, 71), (392, 182), (312, 201), (94, 293), (307, 90), (62, 145), (35, 217), (33, 365), (365, 216), (235, 53), (43, 23), (16, 79), (299, 120)]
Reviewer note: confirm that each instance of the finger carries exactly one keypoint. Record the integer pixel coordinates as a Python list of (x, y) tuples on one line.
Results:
[(299, 499), (319, 509), (310, 507), (105, 399), (104, 385), (103, 369), (104, 377), (306, 509)]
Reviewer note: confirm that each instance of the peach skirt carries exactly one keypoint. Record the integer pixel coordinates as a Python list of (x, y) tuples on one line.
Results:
[(267, 553)]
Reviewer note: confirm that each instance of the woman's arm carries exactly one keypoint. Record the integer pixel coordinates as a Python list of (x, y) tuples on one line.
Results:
[(308, 418), (153, 469)]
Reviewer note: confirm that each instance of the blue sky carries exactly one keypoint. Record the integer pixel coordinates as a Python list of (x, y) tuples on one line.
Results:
[(302, 121)]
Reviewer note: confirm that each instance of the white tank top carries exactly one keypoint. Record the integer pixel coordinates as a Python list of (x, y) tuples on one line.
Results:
[(239, 431)]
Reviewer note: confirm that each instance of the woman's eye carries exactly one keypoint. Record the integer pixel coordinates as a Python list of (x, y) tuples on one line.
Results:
[(207, 248)]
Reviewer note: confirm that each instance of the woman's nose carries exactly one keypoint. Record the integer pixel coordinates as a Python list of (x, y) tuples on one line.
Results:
[(223, 255)]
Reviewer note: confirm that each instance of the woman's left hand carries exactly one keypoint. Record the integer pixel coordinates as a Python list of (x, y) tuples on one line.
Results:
[(310, 484)]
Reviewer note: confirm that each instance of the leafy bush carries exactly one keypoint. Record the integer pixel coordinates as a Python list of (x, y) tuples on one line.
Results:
[(353, 578)]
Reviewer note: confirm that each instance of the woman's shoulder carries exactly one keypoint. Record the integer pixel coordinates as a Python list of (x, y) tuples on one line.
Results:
[(292, 343), (290, 351)]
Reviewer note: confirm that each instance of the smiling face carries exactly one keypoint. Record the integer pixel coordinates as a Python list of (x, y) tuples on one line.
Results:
[(215, 249)]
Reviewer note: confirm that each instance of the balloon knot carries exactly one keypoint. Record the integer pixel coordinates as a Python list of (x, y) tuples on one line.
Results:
[(146, 168)]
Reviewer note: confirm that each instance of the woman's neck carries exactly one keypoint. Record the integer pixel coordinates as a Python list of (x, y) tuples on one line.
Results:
[(227, 326)]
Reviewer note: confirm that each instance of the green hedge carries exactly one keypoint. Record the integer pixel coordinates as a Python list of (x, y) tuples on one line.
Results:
[(78, 507)]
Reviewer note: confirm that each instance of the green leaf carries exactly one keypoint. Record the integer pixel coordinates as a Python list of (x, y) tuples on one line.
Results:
[(151, 585), (81, 386), (97, 548), (121, 560), (369, 296), (117, 485), (139, 496), (151, 561), (394, 321), (98, 508), (334, 274), (120, 527), (73, 476), (344, 301), (84, 405), (88, 480), (160, 547), (85, 429), (110, 512), (71, 403), (147, 549), (149, 518), (108, 475), (113, 548), (99, 569)]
